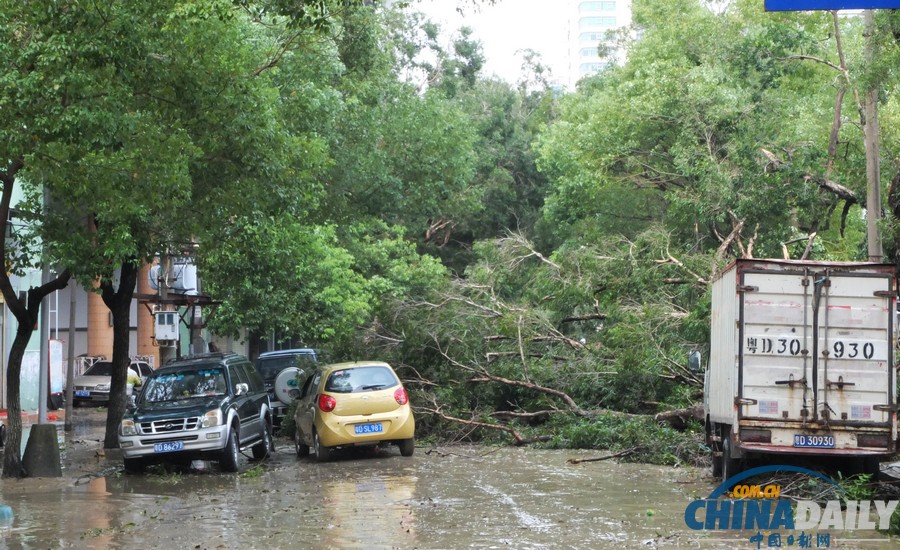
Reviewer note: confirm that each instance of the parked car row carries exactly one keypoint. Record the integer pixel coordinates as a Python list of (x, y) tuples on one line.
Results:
[(216, 406)]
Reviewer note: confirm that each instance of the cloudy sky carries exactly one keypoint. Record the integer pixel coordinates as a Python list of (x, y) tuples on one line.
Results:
[(507, 27)]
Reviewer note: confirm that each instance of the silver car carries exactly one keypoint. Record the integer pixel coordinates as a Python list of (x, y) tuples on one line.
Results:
[(93, 385)]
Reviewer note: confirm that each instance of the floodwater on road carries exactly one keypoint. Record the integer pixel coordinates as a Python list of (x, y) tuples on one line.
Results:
[(447, 497)]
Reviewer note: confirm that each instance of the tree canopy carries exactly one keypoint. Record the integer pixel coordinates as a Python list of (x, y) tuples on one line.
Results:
[(532, 259)]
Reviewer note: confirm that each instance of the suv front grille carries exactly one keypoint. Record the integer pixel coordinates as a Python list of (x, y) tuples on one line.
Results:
[(169, 426)]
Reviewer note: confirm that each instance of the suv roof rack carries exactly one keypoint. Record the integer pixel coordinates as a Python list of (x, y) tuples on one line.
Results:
[(207, 355), (292, 351)]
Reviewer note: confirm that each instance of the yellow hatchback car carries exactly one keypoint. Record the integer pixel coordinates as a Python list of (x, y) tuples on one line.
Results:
[(353, 404)]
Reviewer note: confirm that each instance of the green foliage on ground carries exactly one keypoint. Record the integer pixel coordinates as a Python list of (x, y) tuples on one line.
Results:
[(640, 439)]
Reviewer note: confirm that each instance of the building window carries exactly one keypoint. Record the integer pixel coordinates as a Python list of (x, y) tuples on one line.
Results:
[(591, 67), (605, 21), (596, 6), (588, 52), (592, 37)]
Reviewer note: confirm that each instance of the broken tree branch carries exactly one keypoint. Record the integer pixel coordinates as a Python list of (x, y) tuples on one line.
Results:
[(517, 437), (620, 454)]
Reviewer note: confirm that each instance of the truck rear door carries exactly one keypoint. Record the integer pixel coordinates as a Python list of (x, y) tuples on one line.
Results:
[(816, 346)]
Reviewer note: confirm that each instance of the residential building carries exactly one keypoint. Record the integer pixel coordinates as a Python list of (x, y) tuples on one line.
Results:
[(591, 42)]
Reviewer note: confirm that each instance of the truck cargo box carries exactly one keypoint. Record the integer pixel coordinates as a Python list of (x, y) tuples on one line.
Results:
[(802, 359)]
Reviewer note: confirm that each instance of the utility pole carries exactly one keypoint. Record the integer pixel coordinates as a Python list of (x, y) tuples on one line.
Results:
[(871, 138), (166, 347), (70, 363), (44, 335)]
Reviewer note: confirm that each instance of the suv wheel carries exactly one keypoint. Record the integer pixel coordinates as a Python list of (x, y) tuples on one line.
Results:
[(323, 453), (135, 465), (266, 446), (229, 460), (299, 446)]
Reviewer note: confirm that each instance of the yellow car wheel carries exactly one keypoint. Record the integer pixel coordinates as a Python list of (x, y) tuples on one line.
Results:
[(323, 453), (407, 446)]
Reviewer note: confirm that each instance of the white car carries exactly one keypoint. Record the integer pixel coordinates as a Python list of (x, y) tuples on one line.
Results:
[(93, 385)]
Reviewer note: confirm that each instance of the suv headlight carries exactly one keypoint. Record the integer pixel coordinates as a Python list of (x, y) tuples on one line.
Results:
[(212, 418), (127, 427)]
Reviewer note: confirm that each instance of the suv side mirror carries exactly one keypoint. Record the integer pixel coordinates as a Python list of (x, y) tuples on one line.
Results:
[(241, 389), (695, 361)]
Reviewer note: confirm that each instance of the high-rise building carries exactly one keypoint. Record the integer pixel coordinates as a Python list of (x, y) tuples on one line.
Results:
[(591, 47)]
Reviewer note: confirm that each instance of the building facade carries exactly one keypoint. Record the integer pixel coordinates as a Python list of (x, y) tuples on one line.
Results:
[(591, 47)]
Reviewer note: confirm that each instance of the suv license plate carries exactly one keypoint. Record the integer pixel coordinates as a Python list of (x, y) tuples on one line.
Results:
[(814, 441), (82, 393), (363, 429), (168, 446)]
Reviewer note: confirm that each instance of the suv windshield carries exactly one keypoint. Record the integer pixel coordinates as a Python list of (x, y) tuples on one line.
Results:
[(170, 386), (360, 379)]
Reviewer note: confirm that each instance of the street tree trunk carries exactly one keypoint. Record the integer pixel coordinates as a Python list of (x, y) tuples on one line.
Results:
[(26, 313), (119, 303)]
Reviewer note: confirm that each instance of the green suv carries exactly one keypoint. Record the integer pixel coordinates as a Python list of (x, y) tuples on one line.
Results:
[(205, 407)]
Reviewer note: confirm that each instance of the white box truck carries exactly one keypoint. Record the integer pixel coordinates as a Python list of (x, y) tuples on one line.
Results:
[(802, 362)]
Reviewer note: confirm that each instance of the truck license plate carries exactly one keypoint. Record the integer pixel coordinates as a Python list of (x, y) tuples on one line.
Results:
[(168, 446), (814, 441)]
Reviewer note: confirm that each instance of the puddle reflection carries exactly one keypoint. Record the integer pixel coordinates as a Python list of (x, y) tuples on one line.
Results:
[(367, 513)]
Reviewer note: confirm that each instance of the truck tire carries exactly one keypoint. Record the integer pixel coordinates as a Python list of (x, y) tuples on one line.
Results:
[(716, 460), (868, 465), (730, 466)]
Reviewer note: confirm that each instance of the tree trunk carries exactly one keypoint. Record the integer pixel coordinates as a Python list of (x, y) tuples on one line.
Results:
[(27, 318), (12, 458), (119, 303), (680, 418), (26, 314)]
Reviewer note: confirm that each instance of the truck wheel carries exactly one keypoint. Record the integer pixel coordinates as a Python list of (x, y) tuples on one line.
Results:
[(716, 460), (730, 466), (266, 445), (870, 465), (229, 459)]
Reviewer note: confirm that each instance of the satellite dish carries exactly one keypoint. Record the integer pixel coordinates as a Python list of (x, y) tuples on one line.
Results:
[(287, 387)]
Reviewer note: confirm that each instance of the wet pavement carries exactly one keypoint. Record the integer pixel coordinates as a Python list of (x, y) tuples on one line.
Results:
[(446, 497)]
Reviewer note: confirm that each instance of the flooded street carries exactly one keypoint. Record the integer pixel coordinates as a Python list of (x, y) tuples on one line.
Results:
[(448, 497)]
